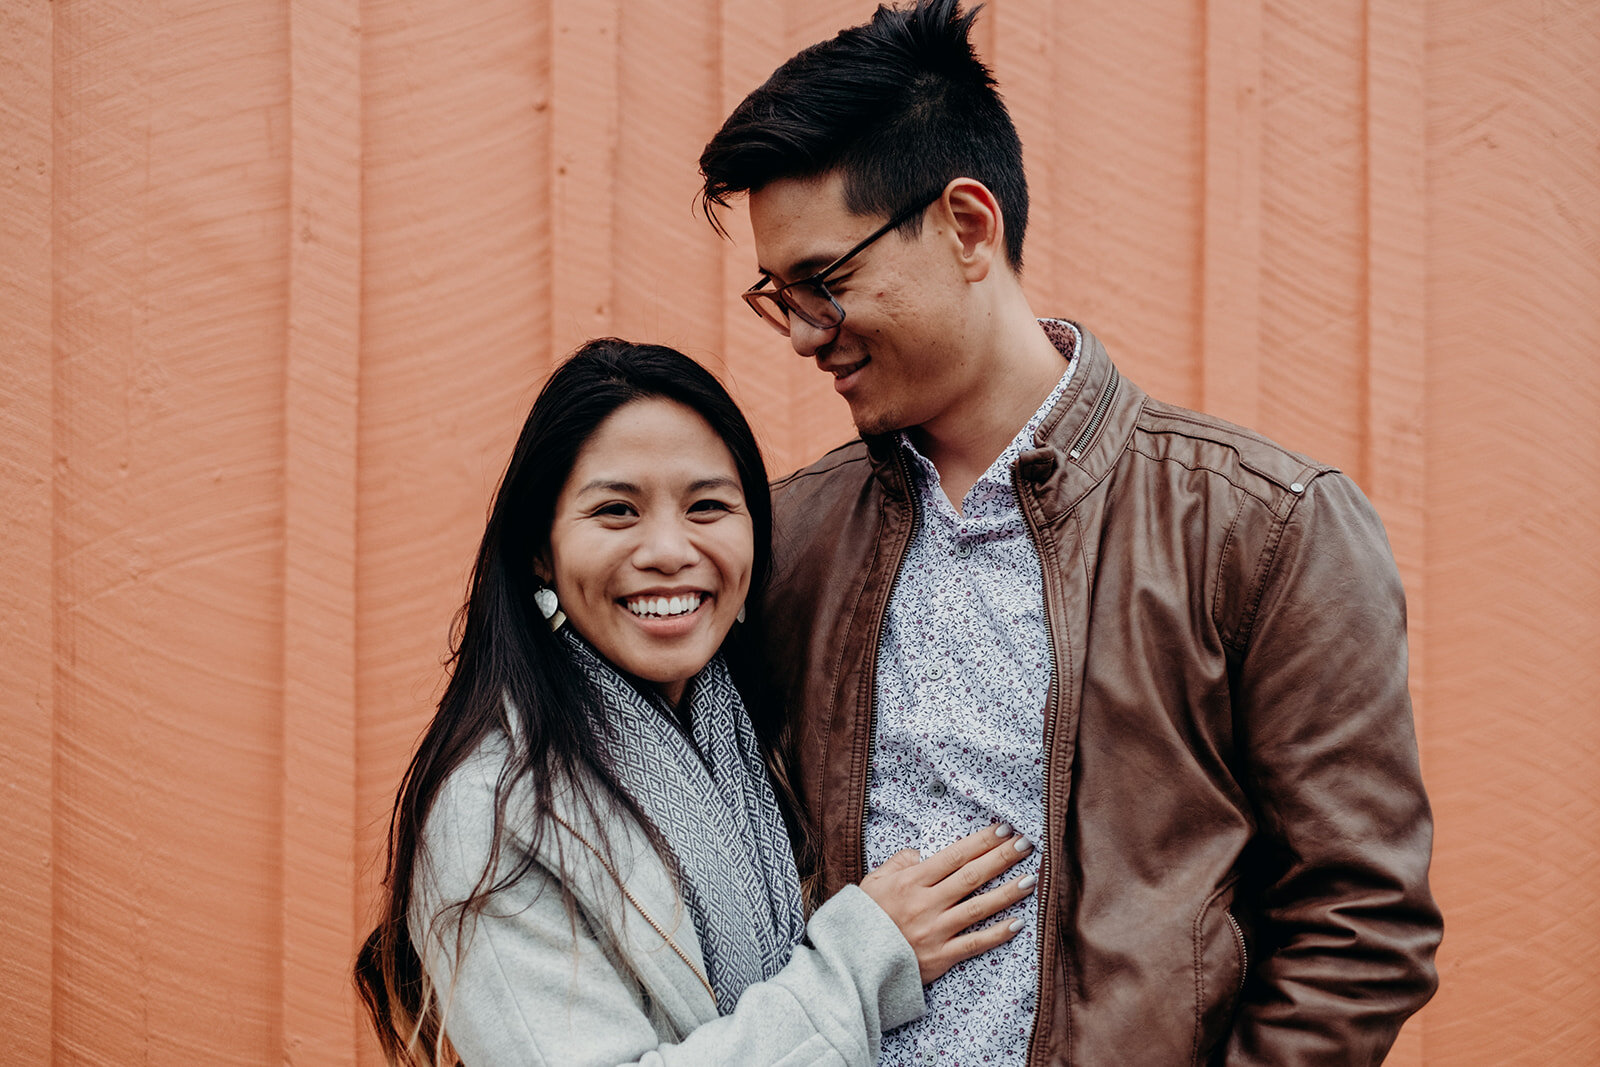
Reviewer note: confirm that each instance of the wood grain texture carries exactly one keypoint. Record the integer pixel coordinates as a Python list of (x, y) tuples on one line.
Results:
[(1513, 505), (321, 413), (1230, 265), (280, 279), (27, 615), (171, 230)]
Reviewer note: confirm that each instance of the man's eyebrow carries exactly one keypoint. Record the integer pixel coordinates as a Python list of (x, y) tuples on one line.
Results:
[(803, 269)]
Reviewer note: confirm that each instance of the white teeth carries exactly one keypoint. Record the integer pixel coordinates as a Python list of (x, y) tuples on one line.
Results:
[(665, 606)]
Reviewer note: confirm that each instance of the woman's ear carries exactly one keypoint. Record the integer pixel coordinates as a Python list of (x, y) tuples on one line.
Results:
[(976, 224)]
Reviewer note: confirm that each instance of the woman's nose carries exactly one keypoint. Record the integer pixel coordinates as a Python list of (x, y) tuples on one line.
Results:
[(666, 546)]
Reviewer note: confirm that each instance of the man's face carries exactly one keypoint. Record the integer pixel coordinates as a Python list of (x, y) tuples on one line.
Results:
[(898, 357)]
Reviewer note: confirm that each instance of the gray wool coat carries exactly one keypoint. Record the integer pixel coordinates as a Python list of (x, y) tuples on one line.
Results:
[(621, 979)]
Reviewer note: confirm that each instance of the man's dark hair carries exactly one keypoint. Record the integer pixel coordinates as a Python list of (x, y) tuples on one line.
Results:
[(900, 106)]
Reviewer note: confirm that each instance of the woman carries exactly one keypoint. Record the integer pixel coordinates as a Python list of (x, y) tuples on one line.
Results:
[(587, 863)]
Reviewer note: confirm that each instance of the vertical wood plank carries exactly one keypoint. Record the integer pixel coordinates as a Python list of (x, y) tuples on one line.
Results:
[(1513, 506), (319, 613), (666, 261), (27, 654), (1396, 284), (1313, 228), (584, 131), (1230, 333), (171, 261)]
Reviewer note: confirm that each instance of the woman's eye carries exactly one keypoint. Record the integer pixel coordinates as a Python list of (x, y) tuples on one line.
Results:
[(614, 510), (710, 507)]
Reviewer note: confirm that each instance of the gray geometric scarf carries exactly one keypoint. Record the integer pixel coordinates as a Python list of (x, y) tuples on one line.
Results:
[(717, 811)]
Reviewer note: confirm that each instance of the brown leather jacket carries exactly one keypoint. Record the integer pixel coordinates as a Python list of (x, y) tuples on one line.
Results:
[(1238, 838)]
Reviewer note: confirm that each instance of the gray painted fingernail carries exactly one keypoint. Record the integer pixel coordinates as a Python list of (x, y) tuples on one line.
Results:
[(1028, 882), (1003, 830), (1016, 926), (1023, 844)]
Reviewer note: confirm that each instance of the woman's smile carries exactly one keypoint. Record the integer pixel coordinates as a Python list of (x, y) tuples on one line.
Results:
[(659, 607)]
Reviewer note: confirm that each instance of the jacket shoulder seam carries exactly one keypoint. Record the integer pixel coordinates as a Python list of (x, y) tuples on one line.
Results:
[(830, 461), (1200, 427)]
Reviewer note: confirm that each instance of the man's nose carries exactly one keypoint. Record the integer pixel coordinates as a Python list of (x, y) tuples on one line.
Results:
[(807, 339)]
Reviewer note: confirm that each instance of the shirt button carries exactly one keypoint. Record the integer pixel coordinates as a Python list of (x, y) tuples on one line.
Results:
[(934, 673), (938, 788), (962, 552)]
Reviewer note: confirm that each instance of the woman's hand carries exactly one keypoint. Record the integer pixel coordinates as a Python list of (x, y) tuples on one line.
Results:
[(933, 900)]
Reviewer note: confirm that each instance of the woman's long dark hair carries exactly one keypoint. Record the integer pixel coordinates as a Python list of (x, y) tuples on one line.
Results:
[(505, 661)]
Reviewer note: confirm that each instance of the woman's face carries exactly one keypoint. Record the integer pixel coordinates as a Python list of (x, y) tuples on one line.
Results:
[(651, 546)]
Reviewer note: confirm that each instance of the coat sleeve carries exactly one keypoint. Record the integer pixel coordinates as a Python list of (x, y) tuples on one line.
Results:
[(535, 983), (1345, 927)]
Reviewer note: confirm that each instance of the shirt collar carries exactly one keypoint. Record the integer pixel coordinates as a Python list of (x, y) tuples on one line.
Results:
[(1065, 335)]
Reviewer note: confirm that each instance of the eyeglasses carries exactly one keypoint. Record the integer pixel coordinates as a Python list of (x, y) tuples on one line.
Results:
[(809, 298)]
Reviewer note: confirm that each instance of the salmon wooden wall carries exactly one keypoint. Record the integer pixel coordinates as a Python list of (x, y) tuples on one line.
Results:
[(279, 278)]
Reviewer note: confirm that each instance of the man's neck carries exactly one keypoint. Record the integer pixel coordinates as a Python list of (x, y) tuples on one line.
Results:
[(1024, 367)]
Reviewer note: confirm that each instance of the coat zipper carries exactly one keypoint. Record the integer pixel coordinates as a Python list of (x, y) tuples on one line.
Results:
[(883, 628), (628, 894), (1103, 405), (1046, 866)]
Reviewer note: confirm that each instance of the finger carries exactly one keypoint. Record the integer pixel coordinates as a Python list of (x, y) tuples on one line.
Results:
[(985, 867), (951, 858), (986, 905), (979, 941), (906, 857)]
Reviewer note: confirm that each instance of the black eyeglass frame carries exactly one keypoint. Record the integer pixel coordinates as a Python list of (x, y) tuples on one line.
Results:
[(759, 298)]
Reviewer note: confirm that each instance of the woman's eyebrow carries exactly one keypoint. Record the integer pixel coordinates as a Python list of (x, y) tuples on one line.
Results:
[(609, 486), (715, 483)]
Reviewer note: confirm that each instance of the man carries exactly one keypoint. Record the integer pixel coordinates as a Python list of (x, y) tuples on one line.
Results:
[(1167, 650)]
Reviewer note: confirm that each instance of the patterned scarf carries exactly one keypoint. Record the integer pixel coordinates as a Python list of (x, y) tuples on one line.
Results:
[(717, 811)]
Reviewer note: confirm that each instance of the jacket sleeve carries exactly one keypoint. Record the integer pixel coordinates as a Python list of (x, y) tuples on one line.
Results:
[(534, 984), (1345, 927)]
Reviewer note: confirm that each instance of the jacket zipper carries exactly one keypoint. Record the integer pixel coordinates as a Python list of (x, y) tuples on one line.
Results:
[(1046, 866), (1103, 405), (1244, 953), (883, 628)]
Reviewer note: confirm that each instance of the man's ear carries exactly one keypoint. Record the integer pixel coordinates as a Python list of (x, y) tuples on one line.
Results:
[(977, 226)]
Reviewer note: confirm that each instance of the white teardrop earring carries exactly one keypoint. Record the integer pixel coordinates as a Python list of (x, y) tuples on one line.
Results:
[(739, 617), (544, 598)]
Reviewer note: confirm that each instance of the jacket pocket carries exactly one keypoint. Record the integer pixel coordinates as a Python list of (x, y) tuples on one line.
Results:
[(1222, 965)]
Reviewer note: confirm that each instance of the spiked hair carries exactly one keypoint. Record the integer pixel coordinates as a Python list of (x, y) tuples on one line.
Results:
[(899, 105)]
